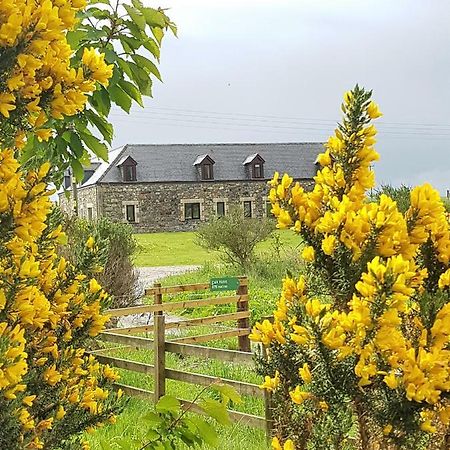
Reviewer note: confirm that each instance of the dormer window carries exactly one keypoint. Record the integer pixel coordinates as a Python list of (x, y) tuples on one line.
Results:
[(127, 166), (254, 166), (205, 167)]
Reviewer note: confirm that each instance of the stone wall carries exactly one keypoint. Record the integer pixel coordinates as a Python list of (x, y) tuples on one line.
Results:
[(87, 203), (160, 206)]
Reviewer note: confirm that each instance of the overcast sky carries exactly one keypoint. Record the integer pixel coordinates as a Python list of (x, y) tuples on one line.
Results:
[(275, 71)]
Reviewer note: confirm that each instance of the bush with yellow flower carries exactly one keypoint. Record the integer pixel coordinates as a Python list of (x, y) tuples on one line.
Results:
[(358, 353), (54, 70)]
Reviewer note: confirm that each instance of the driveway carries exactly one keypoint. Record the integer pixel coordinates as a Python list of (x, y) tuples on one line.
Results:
[(147, 277)]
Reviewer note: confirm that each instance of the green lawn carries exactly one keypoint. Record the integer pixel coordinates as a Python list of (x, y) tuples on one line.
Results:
[(180, 248)]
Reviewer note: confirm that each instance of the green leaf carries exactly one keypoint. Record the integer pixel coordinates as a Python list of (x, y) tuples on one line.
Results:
[(78, 170), (75, 37), (120, 97), (131, 43), (228, 392), (152, 435), (216, 410), (102, 101), (206, 431), (136, 16), (158, 33), (132, 91), (168, 404), (154, 18), (102, 125), (124, 65), (152, 419), (152, 47), (76, 145), (97, 147), (142, 79), (146, 63)]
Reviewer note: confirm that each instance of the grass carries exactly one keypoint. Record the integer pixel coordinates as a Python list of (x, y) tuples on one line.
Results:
[(231, 438), (180, 248)]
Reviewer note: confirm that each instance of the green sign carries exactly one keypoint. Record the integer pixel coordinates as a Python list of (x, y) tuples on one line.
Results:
[(224, 284)]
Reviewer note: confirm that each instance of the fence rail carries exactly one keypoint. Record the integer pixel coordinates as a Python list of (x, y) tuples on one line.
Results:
[(186, 346)]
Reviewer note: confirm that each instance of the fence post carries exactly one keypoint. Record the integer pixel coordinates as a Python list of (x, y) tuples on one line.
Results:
[(268, 413), (243, 341), (159, 347)]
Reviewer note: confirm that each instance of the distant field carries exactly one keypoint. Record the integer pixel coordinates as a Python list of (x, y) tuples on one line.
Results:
[(180, 248)]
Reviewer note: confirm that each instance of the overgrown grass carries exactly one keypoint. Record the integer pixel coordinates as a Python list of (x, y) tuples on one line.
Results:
[(234, 437), (231, 438), (181, 248)]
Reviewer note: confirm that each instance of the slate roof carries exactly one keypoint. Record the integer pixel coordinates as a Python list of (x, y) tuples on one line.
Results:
[(174, 162)]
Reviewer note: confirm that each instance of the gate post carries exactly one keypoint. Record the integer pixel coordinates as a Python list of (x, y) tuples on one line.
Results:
[(243, 341), (159, 347)]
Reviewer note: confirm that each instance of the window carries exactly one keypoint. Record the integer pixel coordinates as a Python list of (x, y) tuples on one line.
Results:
[(131, 213), (129, 172), (268, 209), (192, 210), (89, 213), (258, 171), (247, 208), (220, 209), (207, 172)]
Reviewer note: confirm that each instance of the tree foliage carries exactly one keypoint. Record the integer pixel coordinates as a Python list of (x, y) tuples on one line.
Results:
[(235, 236), (375, 345), (62, 67)]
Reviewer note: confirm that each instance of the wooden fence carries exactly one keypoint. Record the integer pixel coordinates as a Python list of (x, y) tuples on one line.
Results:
[(187, 346)]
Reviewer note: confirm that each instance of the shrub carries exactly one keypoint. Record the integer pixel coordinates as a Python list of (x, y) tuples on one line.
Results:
[(370, 357), (401, 195), (235, 236), (50, 389), (114, 249)]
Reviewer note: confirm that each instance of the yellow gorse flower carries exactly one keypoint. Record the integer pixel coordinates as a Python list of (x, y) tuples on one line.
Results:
[(372, 321)]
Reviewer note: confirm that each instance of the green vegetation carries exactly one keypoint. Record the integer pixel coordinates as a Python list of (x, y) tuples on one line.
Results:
[(181, 248), (129, 423), (235, 236)]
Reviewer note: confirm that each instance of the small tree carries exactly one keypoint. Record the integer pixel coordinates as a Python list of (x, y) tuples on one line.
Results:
[(235, 236)]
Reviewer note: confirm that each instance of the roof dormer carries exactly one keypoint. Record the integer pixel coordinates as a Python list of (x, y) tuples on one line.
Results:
[(254, 166), (204, 165), (127, 166)]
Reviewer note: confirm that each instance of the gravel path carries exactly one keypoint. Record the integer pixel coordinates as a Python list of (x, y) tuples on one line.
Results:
[(147, 277)]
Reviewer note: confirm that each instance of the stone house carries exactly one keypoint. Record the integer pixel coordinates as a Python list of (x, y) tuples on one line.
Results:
[(175, 187)]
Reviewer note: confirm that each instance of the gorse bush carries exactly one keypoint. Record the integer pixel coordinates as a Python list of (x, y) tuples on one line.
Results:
[(375, 345), (113, 246), (235, 236), (51, 390)]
